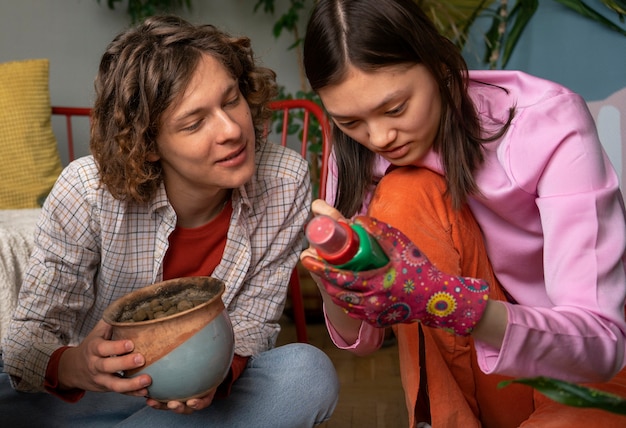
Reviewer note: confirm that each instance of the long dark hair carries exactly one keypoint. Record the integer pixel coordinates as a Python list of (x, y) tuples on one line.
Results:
[(142, 72), (371, 34)]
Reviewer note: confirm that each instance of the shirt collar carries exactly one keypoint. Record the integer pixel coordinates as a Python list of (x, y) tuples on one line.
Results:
[(160, 200)]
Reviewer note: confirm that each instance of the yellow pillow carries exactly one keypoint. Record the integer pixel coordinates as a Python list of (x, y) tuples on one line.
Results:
[(29, 158)]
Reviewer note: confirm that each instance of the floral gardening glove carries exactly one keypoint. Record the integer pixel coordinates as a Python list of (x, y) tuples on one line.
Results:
[(409, 288)]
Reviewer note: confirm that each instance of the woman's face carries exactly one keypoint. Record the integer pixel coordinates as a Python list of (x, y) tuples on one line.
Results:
[(206, 141), (393, 111)]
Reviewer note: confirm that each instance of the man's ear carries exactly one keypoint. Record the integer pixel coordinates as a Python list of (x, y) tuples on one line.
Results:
[(153, 157)]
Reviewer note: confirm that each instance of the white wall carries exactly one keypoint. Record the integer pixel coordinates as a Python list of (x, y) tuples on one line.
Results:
[(73, 34)]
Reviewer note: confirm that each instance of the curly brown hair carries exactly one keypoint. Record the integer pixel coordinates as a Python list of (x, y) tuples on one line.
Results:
[(142, 72)]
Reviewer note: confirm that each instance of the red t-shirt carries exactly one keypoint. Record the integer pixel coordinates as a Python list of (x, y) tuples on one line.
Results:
[(197, 251)]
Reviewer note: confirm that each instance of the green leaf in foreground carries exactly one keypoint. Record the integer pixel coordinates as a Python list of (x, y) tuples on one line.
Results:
[(572, 394)]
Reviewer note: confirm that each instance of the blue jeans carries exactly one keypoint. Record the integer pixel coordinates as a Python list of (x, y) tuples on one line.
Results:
[(290, 386)]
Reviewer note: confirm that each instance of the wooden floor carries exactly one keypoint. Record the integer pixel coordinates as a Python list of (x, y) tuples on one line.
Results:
[(371, 394)]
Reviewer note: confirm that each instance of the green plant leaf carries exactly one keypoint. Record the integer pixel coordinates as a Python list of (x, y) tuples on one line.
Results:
[(453, 18), (492, 40), (315, 147), (583, 9), (268, 6), (572, 394), (522, 13), (618, 6)]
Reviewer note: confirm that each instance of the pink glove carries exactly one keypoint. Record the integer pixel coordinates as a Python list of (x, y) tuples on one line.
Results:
[(409, 288)]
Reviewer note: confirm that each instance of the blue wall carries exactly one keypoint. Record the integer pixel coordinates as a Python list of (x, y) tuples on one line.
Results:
[(560, 45)]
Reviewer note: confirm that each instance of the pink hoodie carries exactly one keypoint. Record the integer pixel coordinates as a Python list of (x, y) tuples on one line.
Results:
[(553, 219)]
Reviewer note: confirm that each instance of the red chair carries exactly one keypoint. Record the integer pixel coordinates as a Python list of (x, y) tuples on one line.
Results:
[(293, 117), (69, 113)]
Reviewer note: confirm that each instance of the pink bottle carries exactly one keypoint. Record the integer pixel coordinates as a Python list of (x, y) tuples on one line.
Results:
[(348, 247)]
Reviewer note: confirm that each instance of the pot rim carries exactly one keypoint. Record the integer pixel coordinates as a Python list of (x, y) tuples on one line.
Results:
[(113, 311)]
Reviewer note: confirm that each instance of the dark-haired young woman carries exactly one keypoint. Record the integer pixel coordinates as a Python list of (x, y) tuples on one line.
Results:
[(500, 212)]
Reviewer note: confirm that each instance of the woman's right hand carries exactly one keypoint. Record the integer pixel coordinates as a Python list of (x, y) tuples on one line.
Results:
[(344, 324), (320, 207), (95, 364)]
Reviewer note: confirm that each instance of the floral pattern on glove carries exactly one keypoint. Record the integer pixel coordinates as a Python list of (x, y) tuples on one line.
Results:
[(409, 288)]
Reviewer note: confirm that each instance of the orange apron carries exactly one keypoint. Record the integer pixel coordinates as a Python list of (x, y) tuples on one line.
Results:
[(454, 391)]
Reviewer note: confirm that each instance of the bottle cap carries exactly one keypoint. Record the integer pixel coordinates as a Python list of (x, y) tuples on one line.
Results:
[(334, 241)]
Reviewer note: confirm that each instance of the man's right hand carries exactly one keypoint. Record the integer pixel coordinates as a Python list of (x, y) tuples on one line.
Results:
[(95, 364)]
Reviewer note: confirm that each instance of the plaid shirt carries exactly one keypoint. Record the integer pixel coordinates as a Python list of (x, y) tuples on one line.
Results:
[(91, 249)]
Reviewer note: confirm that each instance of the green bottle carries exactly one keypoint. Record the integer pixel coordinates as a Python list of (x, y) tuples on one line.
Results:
[(348, 247)]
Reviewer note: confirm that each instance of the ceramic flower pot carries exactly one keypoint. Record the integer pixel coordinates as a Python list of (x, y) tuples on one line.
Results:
[(183, 331)]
